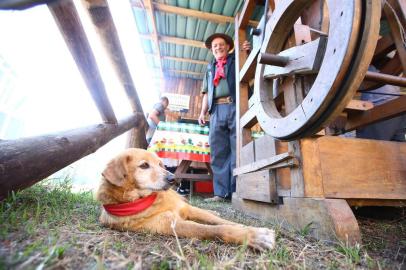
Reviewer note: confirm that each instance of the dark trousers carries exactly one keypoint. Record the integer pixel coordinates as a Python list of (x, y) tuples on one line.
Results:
[(222, 137), (389, 130)]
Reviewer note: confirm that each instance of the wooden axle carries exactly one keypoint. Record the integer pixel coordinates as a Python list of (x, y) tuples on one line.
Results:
[(386, 78), (273, 59)]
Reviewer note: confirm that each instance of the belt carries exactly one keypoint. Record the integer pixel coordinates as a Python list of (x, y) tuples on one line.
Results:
[(223, 100)]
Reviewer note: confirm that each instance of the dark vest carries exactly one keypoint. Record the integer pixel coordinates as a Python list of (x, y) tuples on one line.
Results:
[(230, 76)]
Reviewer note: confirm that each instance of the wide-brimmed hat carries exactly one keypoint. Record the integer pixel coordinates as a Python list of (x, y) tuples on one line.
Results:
[(227, 38)]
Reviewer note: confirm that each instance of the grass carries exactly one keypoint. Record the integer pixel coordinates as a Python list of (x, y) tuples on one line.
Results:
[(48, 226)]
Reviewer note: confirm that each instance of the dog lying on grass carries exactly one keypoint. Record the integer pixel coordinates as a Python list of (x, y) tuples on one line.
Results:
[(136, 196)]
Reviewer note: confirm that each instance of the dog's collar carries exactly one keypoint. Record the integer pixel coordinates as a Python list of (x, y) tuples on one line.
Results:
[(130, 208)]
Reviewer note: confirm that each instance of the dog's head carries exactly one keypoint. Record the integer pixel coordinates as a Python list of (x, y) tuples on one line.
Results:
[(138, 169)]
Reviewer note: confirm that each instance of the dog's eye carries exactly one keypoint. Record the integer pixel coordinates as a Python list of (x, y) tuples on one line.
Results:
[(144, 165), (161, 164)]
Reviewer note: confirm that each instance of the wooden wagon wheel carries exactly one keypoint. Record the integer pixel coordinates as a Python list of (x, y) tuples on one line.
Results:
[(340, 62)]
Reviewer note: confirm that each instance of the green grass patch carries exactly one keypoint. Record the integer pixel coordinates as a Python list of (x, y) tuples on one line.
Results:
[(351, 252), (44, 205), (49, 226)]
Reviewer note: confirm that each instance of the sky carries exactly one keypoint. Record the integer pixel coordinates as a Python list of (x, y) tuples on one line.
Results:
[(57, 98)]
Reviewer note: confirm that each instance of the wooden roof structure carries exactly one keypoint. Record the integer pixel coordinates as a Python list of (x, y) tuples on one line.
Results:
[(173, 32)]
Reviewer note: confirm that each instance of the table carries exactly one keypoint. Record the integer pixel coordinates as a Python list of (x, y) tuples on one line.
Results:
[(180, 144)]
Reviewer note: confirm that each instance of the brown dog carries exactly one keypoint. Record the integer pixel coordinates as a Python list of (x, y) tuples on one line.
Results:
[(139, 176)]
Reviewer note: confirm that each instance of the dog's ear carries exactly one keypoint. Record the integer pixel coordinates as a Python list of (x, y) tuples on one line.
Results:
[(116, 170)]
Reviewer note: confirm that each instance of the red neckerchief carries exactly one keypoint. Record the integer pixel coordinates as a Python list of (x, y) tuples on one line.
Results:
[(219, 71), (130, 208)]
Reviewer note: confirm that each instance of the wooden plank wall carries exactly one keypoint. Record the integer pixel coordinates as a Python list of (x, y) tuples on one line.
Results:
[(185, 86)]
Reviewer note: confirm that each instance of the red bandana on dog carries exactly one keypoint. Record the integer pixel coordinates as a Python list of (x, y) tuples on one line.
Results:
[(130, 208), (219, 71)]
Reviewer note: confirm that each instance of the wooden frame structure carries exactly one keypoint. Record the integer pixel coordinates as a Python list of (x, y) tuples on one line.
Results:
[(26, 161), (310, 179)]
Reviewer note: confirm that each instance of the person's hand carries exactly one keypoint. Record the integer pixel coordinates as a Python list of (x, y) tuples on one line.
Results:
[(201, 119), (246, 46)]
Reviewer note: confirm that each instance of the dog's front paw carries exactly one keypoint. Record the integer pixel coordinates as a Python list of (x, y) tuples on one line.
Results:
[(261, 238)]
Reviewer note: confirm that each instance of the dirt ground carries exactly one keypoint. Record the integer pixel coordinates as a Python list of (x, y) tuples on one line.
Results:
[(52, 228)]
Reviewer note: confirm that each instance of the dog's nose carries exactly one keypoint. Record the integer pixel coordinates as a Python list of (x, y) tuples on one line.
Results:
[(170, 178)]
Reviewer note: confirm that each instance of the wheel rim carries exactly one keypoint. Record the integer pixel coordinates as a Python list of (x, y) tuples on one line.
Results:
[(343, 37)]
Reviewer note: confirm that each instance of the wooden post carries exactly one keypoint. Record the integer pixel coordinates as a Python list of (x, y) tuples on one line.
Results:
[(243, 135), (25, 161), (102, 19), (68, 21)]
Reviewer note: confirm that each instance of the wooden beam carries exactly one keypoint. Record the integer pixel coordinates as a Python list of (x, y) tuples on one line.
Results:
[(194, 13), (384, 46), (184, 72), (266, 163), (182, 41), (68, 21), (179, 41), (246, 13), (249, 118), (382, 112), (187, 60), (25, 161), (150, 12), (247, 71), (359, 105), (303, 59)]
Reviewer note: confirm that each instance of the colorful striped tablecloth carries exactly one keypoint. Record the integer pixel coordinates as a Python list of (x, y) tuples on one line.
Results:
[(181, 141)]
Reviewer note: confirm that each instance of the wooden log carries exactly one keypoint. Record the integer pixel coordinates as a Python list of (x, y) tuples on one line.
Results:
[(68, 21), (102, 19), (25, 161)]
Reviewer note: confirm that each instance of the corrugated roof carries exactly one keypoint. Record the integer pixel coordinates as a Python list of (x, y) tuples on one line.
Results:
[(170, 24)]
